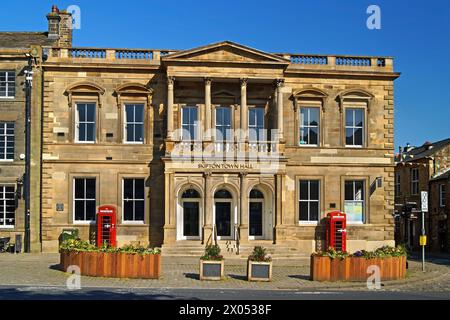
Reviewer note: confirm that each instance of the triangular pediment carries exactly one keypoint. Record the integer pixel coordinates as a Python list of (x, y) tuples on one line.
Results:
[(225, 52)]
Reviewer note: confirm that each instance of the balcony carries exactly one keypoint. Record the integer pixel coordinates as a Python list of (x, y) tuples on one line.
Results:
[(224, 149)]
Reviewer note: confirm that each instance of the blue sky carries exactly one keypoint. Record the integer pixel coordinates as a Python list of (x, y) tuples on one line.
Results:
[(415, 32)]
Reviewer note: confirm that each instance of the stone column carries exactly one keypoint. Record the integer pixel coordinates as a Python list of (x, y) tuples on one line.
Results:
[(169, 218), (207, 109), (207, 209), (280, 109), (170, 83), (243, 227), (244, 127)]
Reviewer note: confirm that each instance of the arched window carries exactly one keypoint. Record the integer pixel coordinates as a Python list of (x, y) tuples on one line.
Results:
[(190, 194), (222, 194), (256, 194)]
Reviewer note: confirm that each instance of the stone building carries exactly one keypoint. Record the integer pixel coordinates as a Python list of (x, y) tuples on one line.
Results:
[(218, 142), (420, 169), (440, 211), (16, 50)]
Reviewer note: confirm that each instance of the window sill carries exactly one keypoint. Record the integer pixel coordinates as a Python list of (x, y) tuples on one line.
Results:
[(6, 160), (7, 98), (131, 142), (308, 223), (309, 145), (133, 223), (354, 147), (84, 223), (7, 227), (85, 142)]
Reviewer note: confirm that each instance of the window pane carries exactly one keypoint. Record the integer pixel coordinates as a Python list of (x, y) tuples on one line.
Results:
[(81, 112), (79, 210), (82, 132), (90, 114), (304, 116), (79, 188), (128, 188), (359, 117), (313, 136), (349, 117), (128, 210), (252, 117), (359, 190), (139, 210), (185, 115), (130, 132), (227, 117), (138, 133), (129, 109), (314, 116), (314, 211), (139, 189), (304, 190), (358, 137), (90, 128), (303, 211), (314, 190), (349, 136), (193, 115), (90, 210), (90, 188), (349, 190), (139, 113)]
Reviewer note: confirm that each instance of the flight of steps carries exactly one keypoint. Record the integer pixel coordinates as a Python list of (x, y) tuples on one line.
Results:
[(229, 249)]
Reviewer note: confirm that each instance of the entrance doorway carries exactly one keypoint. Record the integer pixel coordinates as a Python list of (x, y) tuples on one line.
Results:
[(224, 214), (256, 211), (189, 224)]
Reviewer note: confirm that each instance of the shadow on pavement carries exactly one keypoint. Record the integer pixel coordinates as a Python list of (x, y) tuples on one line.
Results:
[(194, 276), (60, 294)]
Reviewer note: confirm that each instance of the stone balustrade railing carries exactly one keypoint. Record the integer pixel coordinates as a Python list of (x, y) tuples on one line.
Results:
[(109, 54), (303, 61), (227, 148), (339, 61)]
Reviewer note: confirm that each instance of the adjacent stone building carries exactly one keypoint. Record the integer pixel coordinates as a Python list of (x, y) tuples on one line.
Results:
[(20, 51), (421, 169)]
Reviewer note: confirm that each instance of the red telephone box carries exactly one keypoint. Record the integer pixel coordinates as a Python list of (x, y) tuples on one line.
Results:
[(106, 226), (336, 230)]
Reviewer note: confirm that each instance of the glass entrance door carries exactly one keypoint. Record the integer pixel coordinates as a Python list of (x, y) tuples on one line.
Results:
[(223, 219), (256, 219), (191, 219)]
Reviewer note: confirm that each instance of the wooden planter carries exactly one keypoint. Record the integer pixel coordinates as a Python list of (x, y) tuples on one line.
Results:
[(114, 265), (259, 271), (355, 269), (211, 270)]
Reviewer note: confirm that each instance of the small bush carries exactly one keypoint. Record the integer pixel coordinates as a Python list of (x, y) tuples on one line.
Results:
[(78, 245), (259, 254), (212, 252), (382, 252)]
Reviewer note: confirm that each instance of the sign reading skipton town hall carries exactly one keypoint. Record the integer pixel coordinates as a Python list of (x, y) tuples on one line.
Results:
[(225, 165)]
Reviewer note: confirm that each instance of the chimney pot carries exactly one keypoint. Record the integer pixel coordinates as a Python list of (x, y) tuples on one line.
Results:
[(55, 9)]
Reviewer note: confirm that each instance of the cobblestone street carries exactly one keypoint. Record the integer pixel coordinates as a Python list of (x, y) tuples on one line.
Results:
[(42, 270)]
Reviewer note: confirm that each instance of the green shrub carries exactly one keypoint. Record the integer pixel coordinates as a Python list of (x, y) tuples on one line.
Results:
[(212, 252), (78, 245), (259, 254), (382, 252)]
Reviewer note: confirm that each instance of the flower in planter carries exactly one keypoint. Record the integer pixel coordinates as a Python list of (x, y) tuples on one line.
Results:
[(78, 245), (259, 254), (357, 254), (332, 253), (212, 252)]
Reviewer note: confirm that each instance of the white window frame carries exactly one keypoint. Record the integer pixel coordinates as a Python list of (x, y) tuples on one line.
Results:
[(363, 201), (3, 213), (308, 127), (354, 127), (5, 135), (8, 84), (414, 182), (83, 199), (255, 126), (134, 122), (134, 199), (77, 122), (308, 201), (195, 124), (442, 195)]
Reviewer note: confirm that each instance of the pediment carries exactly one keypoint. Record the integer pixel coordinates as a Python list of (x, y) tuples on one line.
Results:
[(225, 52)]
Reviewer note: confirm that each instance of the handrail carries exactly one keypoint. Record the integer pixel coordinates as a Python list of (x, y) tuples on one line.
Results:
[(236, 232)]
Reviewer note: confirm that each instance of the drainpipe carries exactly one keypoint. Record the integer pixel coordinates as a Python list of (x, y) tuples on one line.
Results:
[(28, 86)]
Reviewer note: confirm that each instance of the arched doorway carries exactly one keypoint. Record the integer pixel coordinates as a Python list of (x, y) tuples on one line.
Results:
[(189, 215), (260, 213), (224, 214)]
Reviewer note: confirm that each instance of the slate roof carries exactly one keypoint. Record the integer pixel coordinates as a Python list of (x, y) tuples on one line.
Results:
[(443, 176), (24, 39), (425, 150)]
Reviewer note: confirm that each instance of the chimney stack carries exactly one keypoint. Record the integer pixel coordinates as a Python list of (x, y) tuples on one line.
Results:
[(60, 27)]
